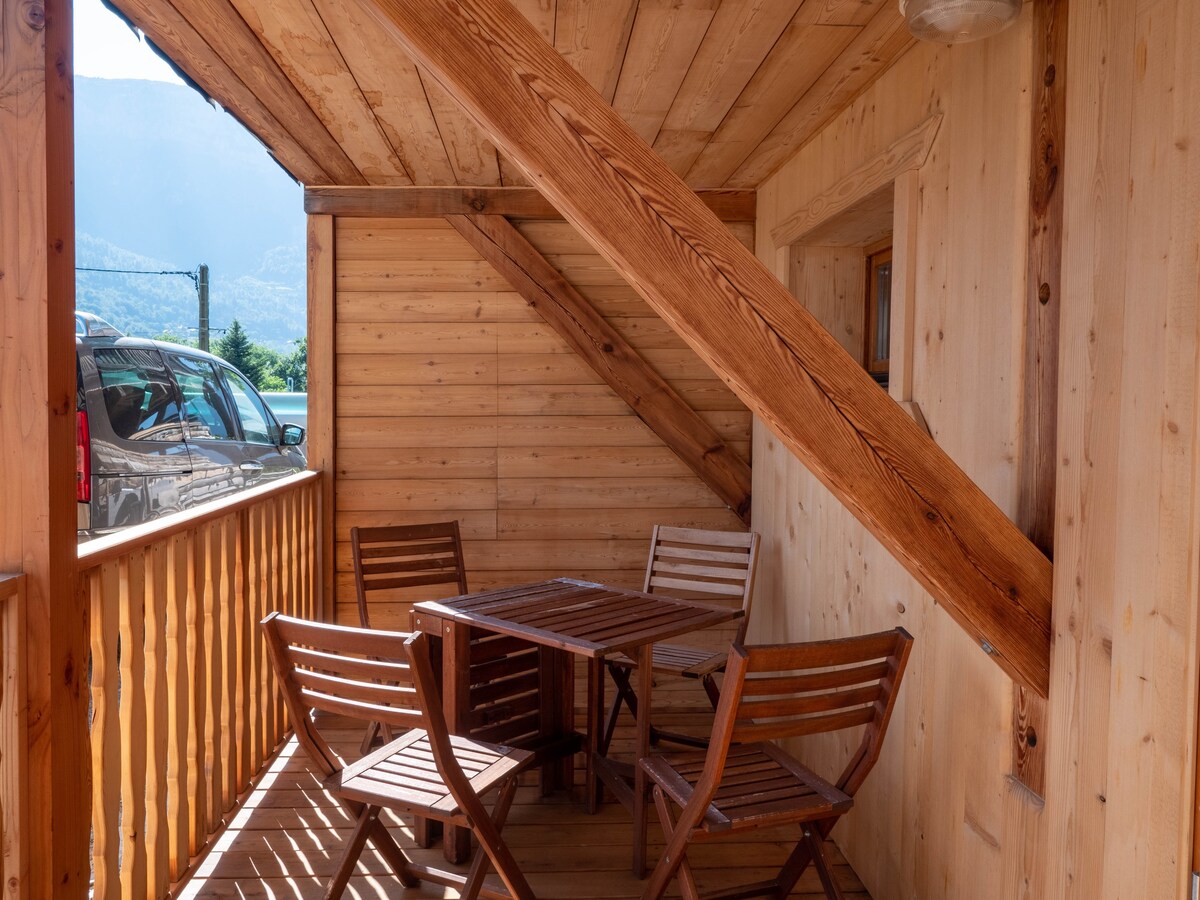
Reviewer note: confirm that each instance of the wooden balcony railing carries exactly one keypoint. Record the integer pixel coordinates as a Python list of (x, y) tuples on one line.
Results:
[(13, 705), (184, 707)]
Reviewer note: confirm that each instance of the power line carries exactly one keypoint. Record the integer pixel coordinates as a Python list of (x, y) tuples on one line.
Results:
[(193, 275)]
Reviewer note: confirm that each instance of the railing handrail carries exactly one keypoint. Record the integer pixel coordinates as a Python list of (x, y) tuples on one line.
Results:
[(113, 546), (10, 585)]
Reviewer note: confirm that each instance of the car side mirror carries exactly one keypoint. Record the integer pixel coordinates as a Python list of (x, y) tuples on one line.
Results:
[(293, 435)]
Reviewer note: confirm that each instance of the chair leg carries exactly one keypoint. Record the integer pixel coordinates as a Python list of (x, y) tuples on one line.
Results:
[(674, 857), (369, 738), (493, 848), (816, 850), (623, 694), (367, 816), (711, 689), (390, 851)]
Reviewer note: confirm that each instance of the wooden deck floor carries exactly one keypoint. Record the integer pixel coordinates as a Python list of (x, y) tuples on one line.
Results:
[(284, 842)]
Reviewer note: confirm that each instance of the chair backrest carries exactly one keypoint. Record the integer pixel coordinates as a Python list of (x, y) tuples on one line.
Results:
[(360, 673), (693, 563), (776, 691), (364, 674), (391, 558)]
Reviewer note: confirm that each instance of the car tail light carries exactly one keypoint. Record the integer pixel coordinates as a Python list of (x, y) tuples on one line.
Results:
[(83, 458)]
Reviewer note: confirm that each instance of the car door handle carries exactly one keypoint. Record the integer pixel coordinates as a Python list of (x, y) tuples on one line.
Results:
[(251, 467)]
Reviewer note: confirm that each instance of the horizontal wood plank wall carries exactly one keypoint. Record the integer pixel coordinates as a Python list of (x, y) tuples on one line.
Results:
[(939, 817), (455, 401)]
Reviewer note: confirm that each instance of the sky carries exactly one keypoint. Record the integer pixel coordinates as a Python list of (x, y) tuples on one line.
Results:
[(106, 48)]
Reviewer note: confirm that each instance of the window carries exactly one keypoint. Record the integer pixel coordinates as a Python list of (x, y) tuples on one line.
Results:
[(258, 425), (205, 405), (138, 395), (879, 314)]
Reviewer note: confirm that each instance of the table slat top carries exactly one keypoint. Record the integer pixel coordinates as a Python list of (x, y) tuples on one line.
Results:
[(589, 619)]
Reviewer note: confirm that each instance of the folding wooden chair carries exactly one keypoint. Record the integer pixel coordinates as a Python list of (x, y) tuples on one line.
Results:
[(692, 564), (744, 782), (386, 676), (394, 557)]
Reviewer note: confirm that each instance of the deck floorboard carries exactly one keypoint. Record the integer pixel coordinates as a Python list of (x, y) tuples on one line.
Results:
[(284, 840)]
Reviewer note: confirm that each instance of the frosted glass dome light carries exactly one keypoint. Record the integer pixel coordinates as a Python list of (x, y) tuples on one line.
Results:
[(958, 21)]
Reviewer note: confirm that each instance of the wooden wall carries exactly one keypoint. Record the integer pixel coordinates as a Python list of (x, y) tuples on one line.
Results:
[(941, 818), (454, 400), (938, 818)]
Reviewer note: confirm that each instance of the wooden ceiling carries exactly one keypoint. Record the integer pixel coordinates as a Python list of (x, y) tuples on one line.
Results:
[(724, 90)]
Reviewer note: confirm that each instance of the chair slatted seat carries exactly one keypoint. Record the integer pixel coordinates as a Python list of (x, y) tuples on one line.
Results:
[(386, 677), (745, 781), (693, 564)]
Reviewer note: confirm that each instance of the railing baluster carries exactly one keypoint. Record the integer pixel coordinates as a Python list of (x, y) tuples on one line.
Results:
[(132, 692), (212, 674), (229, 671), (179, 701), (198, 694), (103, 585), (157, 836), (257, 587), (244, 634)]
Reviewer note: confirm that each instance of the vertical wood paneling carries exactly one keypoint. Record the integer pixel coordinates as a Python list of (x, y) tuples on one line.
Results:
[(103, 587), (1122, 714), (456, 400), (938, 819), (157, 725)]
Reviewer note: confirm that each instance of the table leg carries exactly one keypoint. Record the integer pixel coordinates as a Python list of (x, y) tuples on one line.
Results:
[(593, 789), (456, 704), (645, 680)]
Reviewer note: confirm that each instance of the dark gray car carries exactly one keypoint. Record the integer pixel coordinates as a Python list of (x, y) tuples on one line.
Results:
[(163, 427)]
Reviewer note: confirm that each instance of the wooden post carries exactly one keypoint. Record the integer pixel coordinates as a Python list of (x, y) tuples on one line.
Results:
[(37, 429), (322, 381), (792, 374), (1036, 472)]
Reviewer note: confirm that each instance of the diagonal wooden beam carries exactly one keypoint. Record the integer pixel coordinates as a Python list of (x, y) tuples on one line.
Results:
[(604, 349), (646, 222)]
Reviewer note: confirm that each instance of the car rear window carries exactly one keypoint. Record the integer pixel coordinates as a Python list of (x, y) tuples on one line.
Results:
[(138, 395)]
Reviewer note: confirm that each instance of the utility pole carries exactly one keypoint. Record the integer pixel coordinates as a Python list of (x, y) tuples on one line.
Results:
[(202, 290)]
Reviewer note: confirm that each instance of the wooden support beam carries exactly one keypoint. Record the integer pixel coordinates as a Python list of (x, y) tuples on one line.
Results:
[(37, 432), (604, 349), (515, 203), (654, 230), (1038, 467), (322, 396)]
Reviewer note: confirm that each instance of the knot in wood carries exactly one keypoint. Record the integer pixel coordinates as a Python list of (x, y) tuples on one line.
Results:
[(1048, 75), (34, 14), (1044, 293)]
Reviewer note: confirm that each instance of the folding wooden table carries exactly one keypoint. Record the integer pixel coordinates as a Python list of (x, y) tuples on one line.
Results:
[(560, 617)]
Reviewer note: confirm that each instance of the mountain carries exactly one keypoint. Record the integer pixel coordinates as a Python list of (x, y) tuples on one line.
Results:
[(166, 181)]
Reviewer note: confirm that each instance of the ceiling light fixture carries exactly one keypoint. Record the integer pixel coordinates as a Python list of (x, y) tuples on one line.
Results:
[(958, 21)]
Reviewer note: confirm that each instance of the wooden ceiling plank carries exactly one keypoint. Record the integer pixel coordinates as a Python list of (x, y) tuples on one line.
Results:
[(259, 95), (592, 37), (801, 56), (666, 35), (472, 156), (821, 404), (876, 47), (841, 12), (740, 38), (392, 88), (611, 356), (417, 202), (295, 35)]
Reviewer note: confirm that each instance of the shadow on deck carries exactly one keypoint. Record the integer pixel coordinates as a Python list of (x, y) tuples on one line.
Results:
[(283, 842)]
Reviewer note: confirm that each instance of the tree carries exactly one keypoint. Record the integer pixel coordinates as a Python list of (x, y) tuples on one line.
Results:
[(237, 350)]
